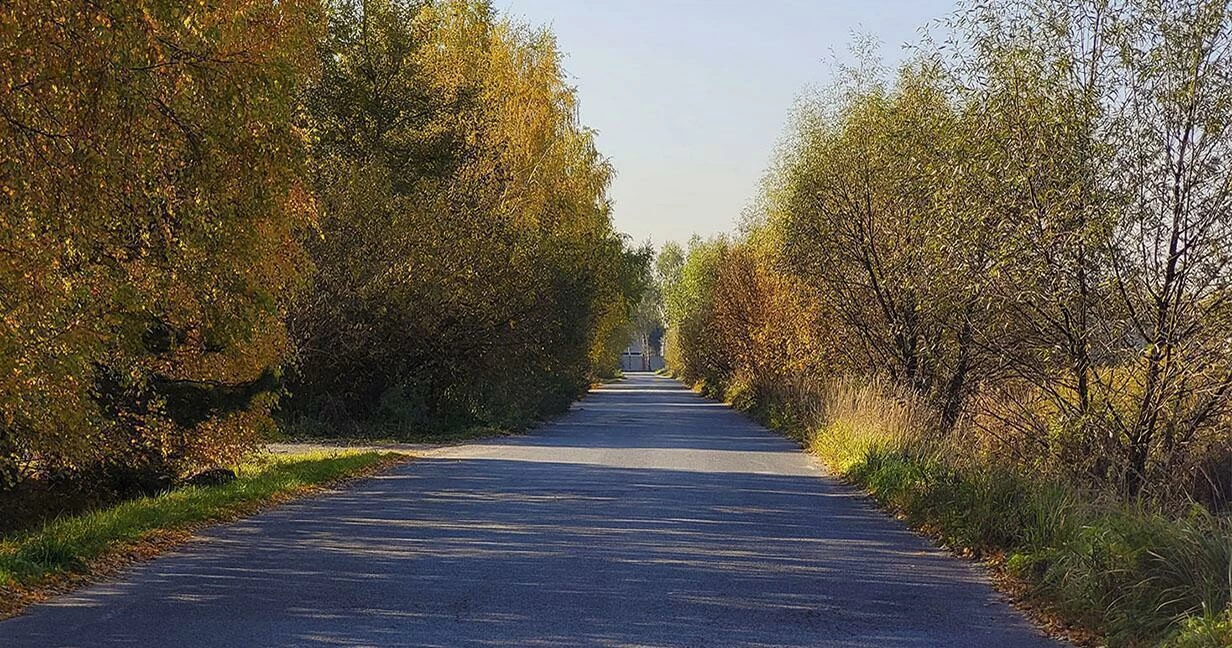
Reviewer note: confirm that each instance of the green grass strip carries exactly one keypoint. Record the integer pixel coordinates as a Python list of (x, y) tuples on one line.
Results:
[(68, 545), (1137, 577)]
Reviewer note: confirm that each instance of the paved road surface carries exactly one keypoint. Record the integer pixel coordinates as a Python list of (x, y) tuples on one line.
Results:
[(646, 517)]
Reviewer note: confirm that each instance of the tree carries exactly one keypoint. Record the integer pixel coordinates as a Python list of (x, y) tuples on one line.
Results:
[(866, 207), (467, 270), (143, 273), (648, 313), (1170, 251)]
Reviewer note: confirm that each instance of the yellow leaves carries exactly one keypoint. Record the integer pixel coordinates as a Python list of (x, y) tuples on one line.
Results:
[(126, 224), (478, 226)]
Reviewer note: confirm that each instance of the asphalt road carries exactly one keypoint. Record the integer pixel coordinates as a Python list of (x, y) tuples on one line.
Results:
[(645, 517)]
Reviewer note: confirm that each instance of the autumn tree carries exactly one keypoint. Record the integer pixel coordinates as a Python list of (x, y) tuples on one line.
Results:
[(1171, 248), (866, 208), (1027, 229), (467, 270), (150, 204)]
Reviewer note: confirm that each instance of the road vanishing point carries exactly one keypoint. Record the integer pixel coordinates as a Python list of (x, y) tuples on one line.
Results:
[(646, 516)]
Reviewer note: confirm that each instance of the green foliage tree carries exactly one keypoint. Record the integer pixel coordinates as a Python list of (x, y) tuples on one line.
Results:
[(647, 315), (1028, 229), (467, 270)]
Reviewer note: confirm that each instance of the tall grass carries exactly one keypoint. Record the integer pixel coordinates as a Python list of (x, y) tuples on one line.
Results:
[(1124, 569), (856, 419)]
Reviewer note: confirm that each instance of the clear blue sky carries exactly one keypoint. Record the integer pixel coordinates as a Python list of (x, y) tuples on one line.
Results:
[(690, 96)]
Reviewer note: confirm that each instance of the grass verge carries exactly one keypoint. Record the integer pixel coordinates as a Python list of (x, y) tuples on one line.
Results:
[(1109, 571), (69, 552), (1132, 575), (377, 437)]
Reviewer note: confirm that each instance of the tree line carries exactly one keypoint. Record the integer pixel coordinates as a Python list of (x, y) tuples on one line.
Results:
[(216, 218), (992, 288), (1027, 227)]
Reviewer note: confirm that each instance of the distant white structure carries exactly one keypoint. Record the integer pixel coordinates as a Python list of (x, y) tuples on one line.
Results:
[(642, 358)]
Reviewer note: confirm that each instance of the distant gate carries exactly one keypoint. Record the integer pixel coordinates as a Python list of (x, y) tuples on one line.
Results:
[(631, 361)]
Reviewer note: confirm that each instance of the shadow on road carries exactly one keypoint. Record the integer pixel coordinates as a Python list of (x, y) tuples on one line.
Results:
[(527, 551)]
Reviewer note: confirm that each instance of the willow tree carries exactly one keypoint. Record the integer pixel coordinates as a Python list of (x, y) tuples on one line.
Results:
[(1031, 84), (1103, 126), (1171, 248)]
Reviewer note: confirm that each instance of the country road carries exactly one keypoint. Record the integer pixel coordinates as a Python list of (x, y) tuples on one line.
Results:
[(647, 516)]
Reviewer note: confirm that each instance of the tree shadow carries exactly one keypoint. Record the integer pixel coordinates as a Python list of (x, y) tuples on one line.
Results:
[(586, 534)]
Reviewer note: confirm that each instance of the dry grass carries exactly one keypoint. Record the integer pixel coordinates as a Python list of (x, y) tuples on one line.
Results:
[(853, 418), (1126, 572)]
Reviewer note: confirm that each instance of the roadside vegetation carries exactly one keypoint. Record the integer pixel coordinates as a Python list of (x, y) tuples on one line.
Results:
[(993, 288), (466, 269), (75, 548), (228, 222)]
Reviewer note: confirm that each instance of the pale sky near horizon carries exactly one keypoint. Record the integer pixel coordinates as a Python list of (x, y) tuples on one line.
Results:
[(689, 97)]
